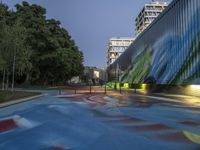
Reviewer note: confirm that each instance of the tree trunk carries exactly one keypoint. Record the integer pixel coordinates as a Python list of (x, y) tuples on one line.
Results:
[(27, 80), (3, 82), (13, 73), (7, 80)]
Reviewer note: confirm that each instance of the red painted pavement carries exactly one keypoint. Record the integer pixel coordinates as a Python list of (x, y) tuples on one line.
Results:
[(6, 125)]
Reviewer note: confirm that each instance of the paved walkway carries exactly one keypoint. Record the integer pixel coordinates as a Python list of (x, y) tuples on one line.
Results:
[(101, 122)]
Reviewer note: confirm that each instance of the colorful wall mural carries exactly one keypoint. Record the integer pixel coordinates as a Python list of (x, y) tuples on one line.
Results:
[(167, 52)]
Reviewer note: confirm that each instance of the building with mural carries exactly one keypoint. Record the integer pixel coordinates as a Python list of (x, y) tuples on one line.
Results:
[(167, 51)]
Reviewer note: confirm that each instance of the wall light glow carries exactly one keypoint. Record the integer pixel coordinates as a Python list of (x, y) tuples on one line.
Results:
[(126, 85), (195, 87), (144, 86), (193, 90)]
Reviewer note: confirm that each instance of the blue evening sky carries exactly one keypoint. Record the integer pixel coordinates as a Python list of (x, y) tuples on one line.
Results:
[(92, 22)]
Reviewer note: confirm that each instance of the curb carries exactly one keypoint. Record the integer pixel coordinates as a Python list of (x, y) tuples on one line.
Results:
[(20, 101)]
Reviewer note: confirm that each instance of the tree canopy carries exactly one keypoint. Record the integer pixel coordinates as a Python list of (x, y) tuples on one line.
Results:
[(44, 52)]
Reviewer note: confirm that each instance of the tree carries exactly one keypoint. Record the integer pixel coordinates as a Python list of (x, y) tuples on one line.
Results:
[(14, 52), (36, 49), (4, 14), (21, 52)]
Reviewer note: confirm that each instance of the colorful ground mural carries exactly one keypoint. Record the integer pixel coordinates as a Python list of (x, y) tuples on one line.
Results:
[(101, 122)]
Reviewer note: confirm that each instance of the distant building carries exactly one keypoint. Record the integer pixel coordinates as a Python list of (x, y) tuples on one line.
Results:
[(94, 75), (116, 46), (91, 76), (148, 13)]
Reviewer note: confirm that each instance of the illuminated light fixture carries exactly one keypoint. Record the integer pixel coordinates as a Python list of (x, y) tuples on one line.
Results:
[(144, 86), (126, 85), (195, 87), (193, 90)]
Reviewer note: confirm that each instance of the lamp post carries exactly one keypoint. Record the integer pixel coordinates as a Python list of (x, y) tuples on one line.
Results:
[(119, 72), (116, 76), (105, 88), (115, 86)]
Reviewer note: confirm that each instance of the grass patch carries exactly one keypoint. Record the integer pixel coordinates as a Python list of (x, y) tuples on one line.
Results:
[(6, 96)]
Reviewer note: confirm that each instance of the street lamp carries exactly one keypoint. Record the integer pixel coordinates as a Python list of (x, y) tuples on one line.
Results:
[(105, 81), (115, 86)]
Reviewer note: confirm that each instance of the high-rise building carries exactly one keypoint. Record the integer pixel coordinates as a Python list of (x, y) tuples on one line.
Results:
[(116, 46), (148, 13)]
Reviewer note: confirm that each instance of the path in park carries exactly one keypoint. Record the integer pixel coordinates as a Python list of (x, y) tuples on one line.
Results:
[(101, 122)]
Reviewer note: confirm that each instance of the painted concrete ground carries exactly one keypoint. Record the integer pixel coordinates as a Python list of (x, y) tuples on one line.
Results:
[(101, 122)]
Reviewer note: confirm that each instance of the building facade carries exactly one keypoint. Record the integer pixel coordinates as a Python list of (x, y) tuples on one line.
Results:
[(95, 76), (171, 56), (148, 13), (116, 46)]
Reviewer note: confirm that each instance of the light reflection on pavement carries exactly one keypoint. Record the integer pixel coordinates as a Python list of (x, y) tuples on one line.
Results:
[(101, 122)]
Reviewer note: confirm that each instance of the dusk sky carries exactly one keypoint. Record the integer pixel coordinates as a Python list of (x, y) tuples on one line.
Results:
[(92, 22)]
